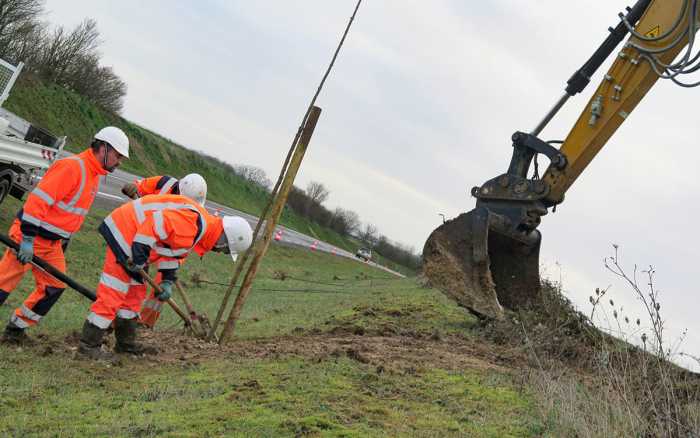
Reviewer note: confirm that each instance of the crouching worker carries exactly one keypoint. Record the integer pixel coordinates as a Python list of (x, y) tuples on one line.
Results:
[(162, 227), (193, 186), (54, 211)]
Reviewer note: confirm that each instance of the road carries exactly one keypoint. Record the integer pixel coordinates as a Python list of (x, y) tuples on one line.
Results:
[(110, 196)]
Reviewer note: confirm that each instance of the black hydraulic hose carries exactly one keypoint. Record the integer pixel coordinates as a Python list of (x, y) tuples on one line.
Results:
[(582, 77), (82, 290)]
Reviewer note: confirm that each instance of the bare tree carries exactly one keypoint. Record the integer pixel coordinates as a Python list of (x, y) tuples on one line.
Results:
[(316, 194), (67, 58), (99, 84), (351, 219), (369, 234), (253, 174), (26, 43), (342, 221), (16, 16), (63, 49)]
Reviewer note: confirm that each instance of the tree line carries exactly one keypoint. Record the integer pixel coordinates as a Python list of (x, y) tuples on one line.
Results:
[(308, 203), (69, 58)]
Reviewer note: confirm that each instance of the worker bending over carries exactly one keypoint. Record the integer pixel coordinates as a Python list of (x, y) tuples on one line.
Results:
[(194, 186), (156, 227), (54, 211)]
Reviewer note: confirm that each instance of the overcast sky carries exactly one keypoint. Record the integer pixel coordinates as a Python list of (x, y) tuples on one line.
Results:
[(418, 109)]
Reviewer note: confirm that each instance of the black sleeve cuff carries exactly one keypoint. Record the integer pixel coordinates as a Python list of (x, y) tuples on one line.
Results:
[(28, 229), (168, 274), (140, 253)]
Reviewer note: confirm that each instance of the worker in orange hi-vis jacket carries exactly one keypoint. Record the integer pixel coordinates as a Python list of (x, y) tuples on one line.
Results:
[(194, 186), (53, 212), (152, 306), (156, 227)]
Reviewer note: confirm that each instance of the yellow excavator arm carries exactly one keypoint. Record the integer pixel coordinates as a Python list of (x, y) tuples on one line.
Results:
[(626, 83), (488, 258)]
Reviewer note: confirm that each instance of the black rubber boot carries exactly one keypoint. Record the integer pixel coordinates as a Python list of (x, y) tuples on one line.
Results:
[(90, 346), (125, 332), (15, 335)]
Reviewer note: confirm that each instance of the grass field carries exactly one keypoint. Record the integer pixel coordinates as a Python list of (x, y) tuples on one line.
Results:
[(326, 347)]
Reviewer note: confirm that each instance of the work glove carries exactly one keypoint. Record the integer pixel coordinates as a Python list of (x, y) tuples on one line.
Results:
[(134, 268), (26, 250), (166, 292), (130, 190)]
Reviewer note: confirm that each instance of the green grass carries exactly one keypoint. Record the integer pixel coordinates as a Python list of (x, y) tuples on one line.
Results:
[(64, 112), (283, 391), (288, 397)]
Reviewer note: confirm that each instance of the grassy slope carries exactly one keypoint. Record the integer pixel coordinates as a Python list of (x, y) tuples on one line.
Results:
[(66, 113), (289, 390)]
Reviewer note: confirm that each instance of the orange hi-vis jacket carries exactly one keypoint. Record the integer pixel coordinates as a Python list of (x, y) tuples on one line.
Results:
[(163, 227), (158, 185), (57, 207), (152, 306)]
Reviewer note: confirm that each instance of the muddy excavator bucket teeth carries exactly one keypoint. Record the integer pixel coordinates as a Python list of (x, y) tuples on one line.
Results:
[(475, 261)]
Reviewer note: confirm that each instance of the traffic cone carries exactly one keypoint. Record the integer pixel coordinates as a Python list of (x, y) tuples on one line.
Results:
[(278, 236), (313, 245)]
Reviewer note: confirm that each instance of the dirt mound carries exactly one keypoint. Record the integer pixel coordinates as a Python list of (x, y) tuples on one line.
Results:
[(397, 352), (394, 352)]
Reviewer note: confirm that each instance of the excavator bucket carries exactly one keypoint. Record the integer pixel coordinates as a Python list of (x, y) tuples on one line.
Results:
[(478, 263)]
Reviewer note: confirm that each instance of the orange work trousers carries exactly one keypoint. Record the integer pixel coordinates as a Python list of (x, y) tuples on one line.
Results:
[(152, 306), (47, 290), (118, 295)]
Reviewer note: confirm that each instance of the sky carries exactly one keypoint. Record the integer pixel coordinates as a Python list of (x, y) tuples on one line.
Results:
[(419, 108)]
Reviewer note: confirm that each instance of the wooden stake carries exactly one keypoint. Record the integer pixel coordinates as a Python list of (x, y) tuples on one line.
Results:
[(242, 260), (274, 216), (202, 321)]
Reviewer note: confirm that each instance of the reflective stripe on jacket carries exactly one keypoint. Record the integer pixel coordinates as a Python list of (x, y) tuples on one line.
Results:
[(165, 227), (215, 226), (158, 185), (57, 207)]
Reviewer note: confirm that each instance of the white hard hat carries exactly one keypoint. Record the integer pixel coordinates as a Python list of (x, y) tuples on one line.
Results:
[(116, 138), (238, 234), (194, 187)]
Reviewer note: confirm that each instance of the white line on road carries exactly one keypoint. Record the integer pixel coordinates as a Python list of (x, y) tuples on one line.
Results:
[(107, 195)]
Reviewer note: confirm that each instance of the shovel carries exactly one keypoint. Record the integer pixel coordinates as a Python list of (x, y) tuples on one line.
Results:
[(171, 303)]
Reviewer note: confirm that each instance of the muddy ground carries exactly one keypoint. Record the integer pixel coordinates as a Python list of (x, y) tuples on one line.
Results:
[(403, 353)]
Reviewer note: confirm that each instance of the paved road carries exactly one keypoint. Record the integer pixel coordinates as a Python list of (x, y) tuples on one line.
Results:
[(110, 196)]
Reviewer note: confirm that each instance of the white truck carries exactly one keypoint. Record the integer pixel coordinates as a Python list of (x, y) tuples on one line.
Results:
[(26, 151)]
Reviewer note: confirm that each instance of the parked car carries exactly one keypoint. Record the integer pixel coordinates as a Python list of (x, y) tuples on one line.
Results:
[(364, 254)]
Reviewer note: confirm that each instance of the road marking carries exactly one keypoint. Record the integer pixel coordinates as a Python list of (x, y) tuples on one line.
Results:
[(107, 195)]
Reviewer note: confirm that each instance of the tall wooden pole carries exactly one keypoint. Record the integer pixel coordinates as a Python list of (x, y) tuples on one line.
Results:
[(272, 220)]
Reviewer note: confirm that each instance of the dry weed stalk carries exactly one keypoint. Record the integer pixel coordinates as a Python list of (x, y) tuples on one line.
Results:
[(628, 390)]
